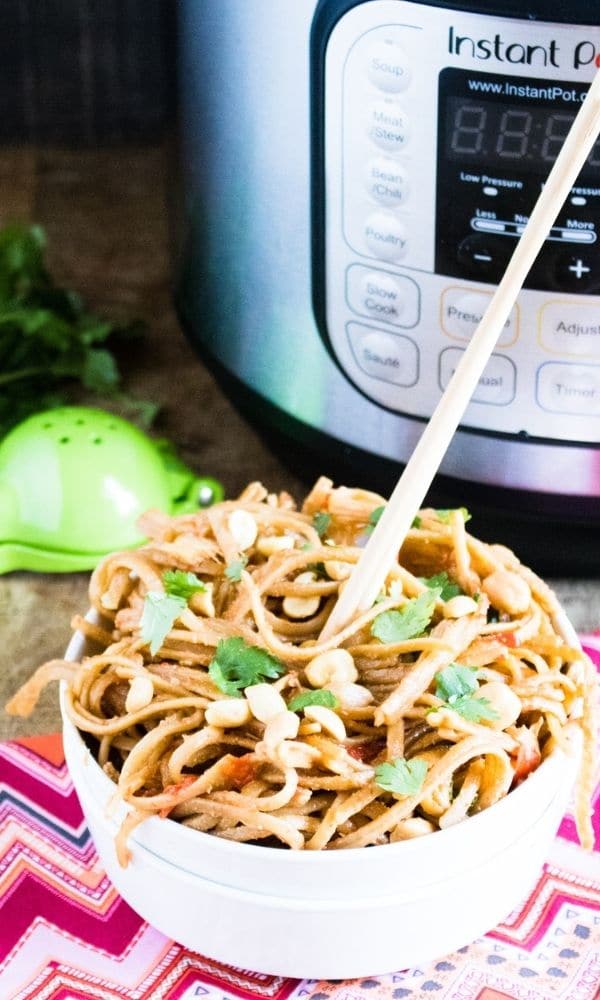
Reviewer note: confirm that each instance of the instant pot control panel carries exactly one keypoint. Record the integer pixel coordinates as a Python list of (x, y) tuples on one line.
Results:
[(439, 128)]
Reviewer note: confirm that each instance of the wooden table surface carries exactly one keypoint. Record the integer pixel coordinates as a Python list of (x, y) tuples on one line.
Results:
[(107, 225)]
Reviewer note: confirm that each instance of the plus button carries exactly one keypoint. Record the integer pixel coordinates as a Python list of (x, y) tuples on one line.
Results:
[(578, 268)]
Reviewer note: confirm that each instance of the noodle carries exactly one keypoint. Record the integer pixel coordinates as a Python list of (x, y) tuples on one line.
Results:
[(363, 739)]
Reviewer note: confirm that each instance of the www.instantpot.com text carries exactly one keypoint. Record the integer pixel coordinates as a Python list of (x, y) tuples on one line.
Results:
[(553, 92)]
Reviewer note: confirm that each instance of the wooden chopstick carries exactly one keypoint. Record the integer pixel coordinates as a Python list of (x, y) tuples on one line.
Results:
[(369, 573)]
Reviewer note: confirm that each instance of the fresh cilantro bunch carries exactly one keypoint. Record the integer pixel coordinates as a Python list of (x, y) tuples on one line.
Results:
[(455, 686), (48, 339), (409, 622), (237, 665)]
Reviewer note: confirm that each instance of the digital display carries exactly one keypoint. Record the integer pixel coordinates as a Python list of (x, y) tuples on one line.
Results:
[(494, 135)]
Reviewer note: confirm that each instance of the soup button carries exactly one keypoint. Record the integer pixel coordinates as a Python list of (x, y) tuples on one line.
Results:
[(385, 356)]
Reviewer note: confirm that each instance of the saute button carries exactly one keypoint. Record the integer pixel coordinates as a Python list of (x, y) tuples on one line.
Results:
[(387, 126), (387, 67), (571, 389), (385, 356), (497, 383), (392, 298), (385, 236), (386, 181)]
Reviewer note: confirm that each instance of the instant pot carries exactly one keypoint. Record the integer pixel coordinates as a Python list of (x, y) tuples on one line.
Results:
[(355, 177)]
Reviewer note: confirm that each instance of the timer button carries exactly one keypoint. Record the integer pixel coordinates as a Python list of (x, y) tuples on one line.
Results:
[(387, 67), (575, 272), (386, 181), (387, 126), (385, 236), (484, 257), (564, 388)]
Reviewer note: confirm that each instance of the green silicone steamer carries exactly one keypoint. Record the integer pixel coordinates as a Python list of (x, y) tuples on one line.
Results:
[(73, 482)]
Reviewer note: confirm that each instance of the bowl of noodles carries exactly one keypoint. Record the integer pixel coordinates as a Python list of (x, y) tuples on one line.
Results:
[(322, 808)]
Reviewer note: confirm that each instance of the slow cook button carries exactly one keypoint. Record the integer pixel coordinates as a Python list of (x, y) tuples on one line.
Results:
[(387, 125), (571, 328), (497, 383), (385, 356), (386, 181), (385, 236), (462, 310), (383, 296), (568, 388), (387, 67)]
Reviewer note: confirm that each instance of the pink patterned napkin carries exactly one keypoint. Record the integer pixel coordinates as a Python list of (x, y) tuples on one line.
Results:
[(65, 933)]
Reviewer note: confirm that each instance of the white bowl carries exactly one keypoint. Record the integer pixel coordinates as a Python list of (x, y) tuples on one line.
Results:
[(333, 914)]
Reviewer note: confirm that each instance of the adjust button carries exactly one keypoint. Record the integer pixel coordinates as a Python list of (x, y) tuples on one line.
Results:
[(462, 310), (385, 356), (571, 328), (385, 236), (496, 385), (569, 388)]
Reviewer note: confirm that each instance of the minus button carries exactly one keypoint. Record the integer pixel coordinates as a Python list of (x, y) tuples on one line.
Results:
[(491, 191)]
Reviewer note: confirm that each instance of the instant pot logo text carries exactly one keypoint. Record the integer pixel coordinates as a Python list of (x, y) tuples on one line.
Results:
[(583, 53)]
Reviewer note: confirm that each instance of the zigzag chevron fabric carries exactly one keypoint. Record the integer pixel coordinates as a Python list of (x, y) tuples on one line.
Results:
[(65, 934)]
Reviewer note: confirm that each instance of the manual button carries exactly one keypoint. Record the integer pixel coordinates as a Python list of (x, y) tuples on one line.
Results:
[(497, 383), (389, 357)]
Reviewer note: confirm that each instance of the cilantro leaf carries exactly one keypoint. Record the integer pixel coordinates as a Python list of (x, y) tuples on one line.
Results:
[(374, 518), (444, 514), (409, 621), (456, 686), (455, 681), (321, 522), (403, 777), (235, 568), (417, 522), (474, 709), (301, 701), (237, 665), (48, 339), (442, 581), (180, 584), (159, 613)]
